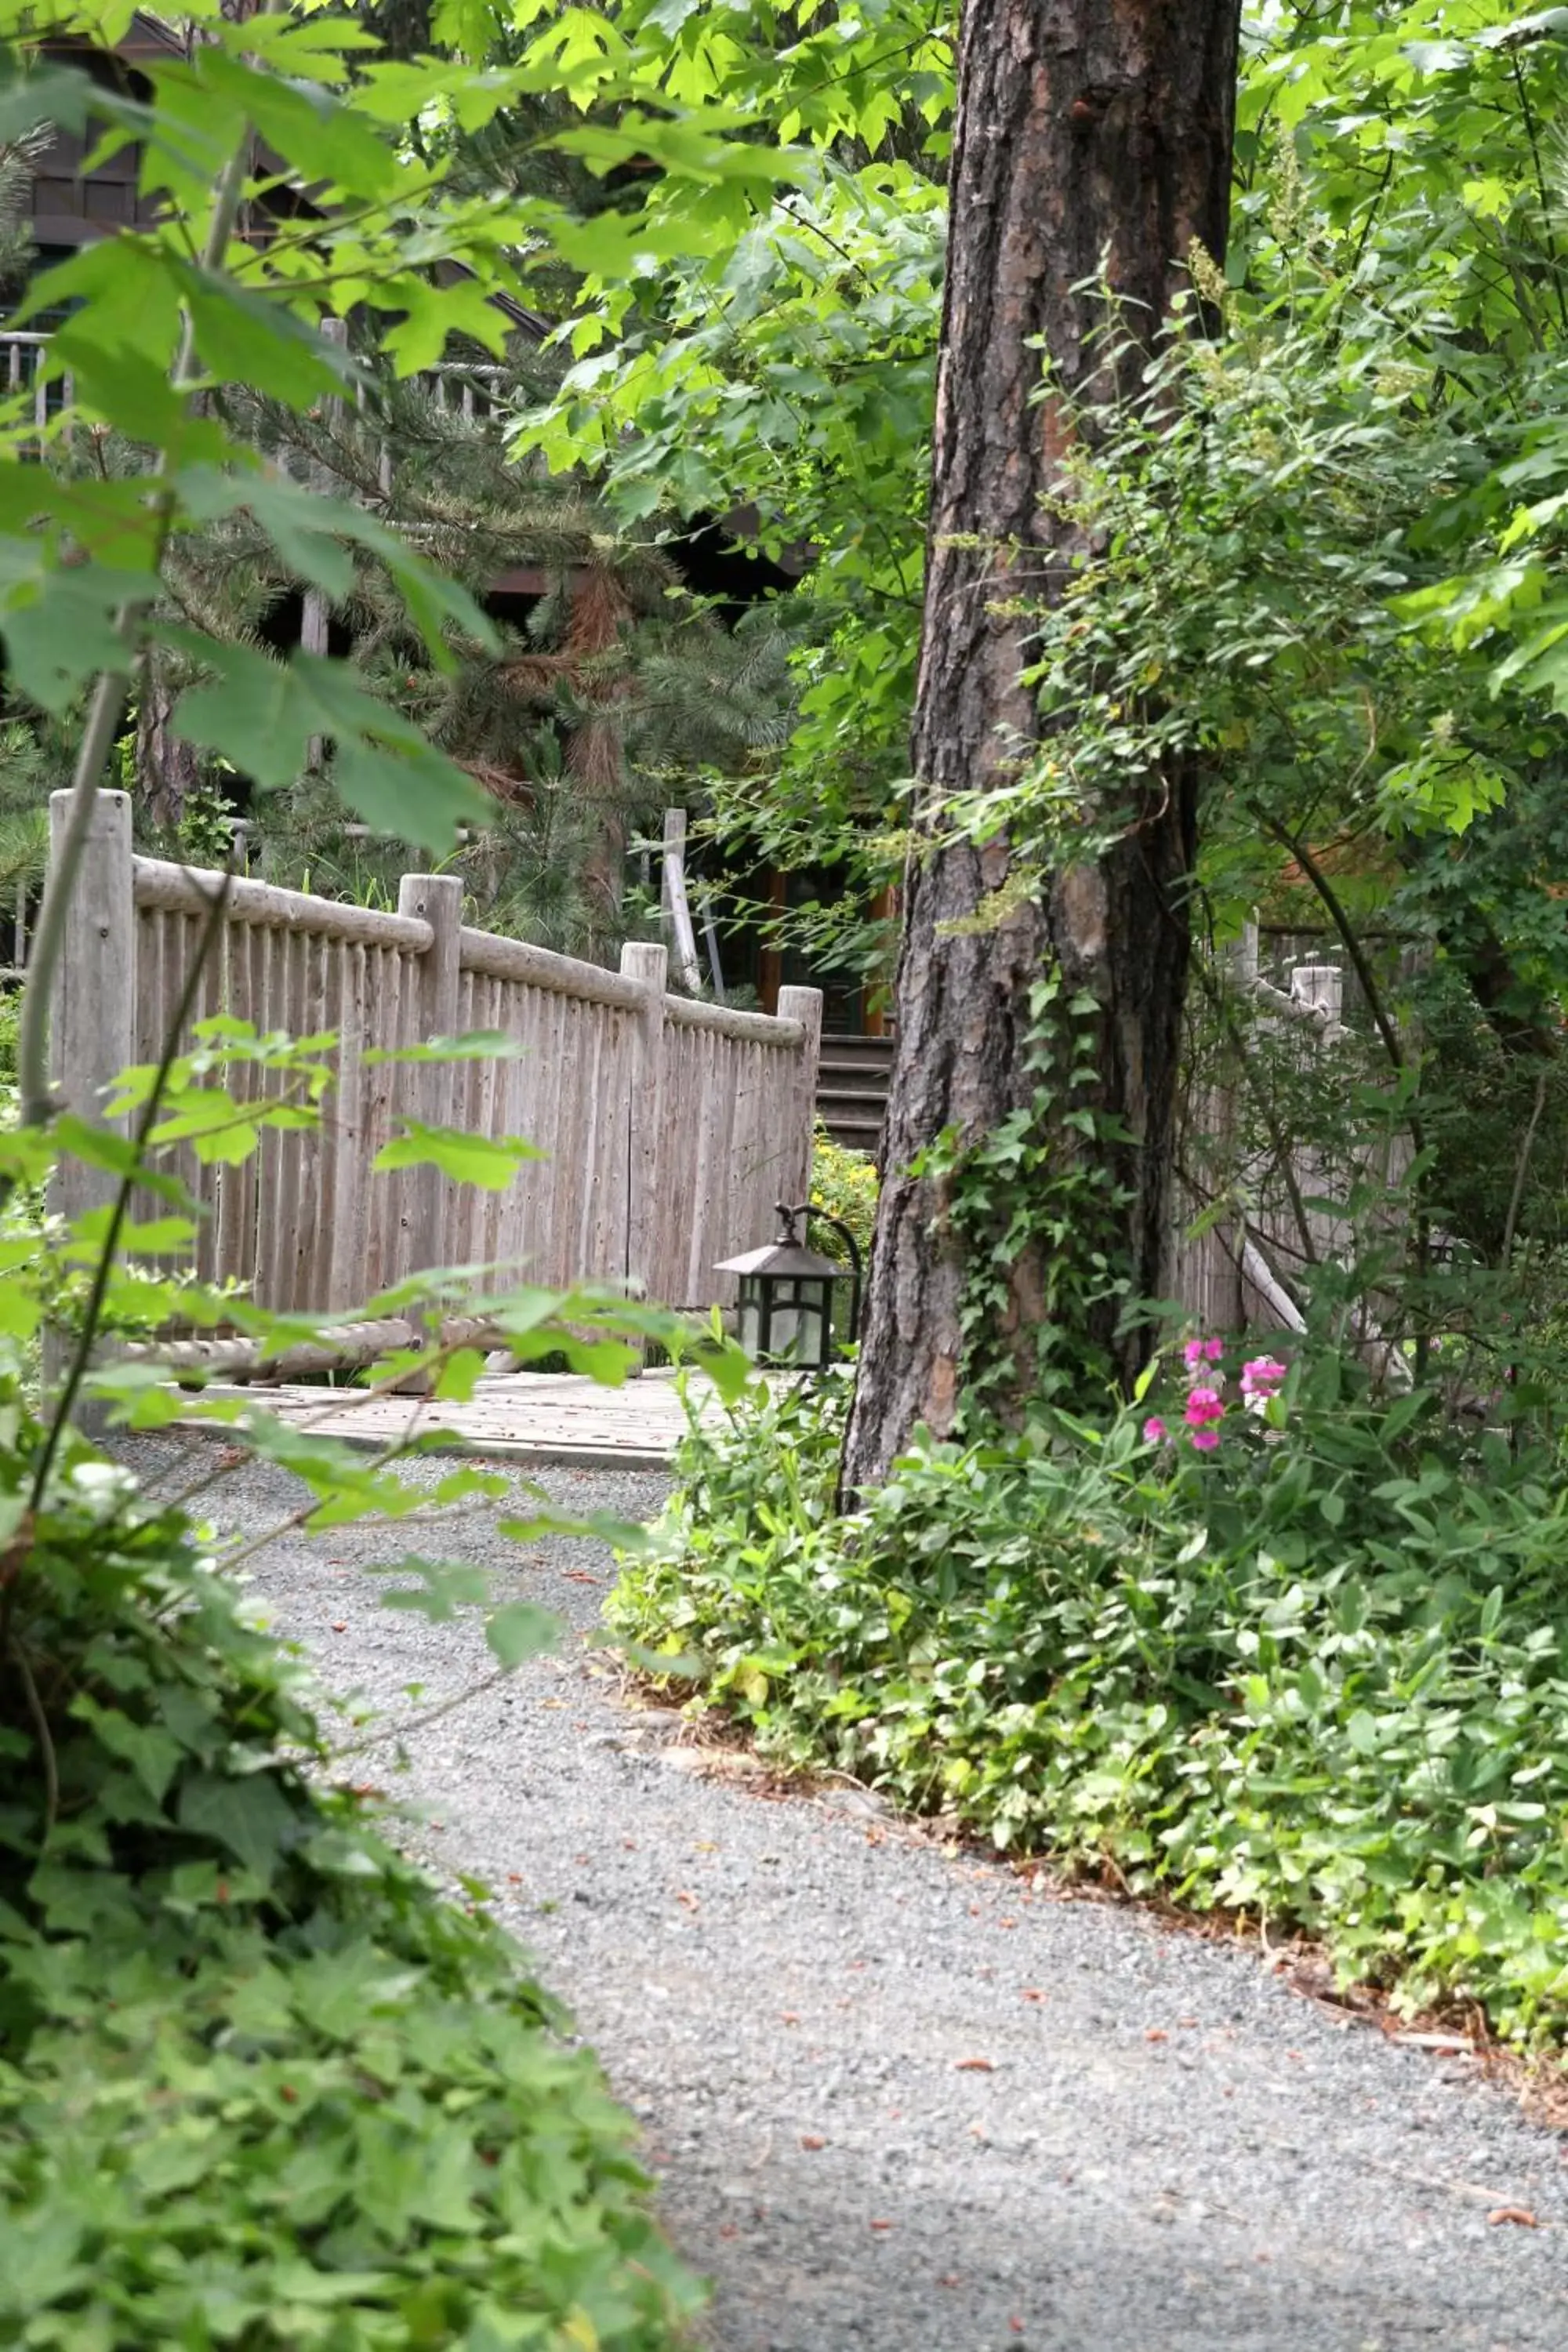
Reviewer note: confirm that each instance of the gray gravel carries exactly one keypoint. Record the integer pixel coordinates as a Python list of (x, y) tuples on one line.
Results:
[(898, 2101)]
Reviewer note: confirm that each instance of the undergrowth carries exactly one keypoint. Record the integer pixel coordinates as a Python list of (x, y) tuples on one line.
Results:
[(844, 1183), (261, 2086), (1317, 1673)]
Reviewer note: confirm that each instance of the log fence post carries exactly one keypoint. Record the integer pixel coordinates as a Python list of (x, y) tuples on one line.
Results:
[(648, 965), (805, 1005), (92, 1024), (429, 1091), (675, 901)]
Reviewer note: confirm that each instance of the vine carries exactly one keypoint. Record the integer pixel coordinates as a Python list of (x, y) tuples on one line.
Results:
[(1037, 1218)]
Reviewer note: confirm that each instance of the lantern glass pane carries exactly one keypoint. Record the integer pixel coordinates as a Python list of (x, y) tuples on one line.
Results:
[(783, 1338), (749, 1333), (811, 1325)]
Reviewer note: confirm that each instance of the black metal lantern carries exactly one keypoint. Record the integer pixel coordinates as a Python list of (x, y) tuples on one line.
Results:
[(785, 1312)]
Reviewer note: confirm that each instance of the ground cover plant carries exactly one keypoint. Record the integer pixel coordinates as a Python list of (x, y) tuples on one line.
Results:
[(261, 2084), (1278, 1646)]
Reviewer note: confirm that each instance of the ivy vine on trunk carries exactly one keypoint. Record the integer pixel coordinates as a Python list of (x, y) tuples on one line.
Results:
[(1092, 151)]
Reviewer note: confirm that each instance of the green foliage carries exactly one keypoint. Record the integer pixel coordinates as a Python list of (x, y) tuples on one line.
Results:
[(765, 342), (795, 382), (1320, 1677), (148, 325), (1013, 1197), (1323, 560), (261, 2084), (580, 726), (844, 1183)]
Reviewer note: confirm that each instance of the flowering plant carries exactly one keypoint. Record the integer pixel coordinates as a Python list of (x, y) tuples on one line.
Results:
[(1204, 1408)]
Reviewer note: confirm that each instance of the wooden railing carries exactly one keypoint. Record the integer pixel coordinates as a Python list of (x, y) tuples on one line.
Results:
[(668, 1127), (1265, 1217), (474, 389)]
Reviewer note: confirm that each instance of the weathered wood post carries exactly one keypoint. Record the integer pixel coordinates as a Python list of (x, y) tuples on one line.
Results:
[(429, 1091), (648, 965), (805, 1005), (675, 902), (92, 1025), (92, 1018)]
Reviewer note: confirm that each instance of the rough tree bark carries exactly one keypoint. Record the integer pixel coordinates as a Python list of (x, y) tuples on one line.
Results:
[(1093, 137), (167, 770)]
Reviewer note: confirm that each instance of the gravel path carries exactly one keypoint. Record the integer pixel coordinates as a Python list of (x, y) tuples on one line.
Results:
[(897, 2102)]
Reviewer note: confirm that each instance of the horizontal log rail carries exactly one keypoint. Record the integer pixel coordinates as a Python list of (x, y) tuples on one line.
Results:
[(501, 959), (730, 1021), (193, 889)]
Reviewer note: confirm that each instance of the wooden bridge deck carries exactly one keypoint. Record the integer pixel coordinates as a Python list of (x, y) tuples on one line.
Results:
[(540, 1418)]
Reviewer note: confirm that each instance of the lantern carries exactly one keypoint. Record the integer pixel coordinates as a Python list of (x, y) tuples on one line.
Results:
[(786, 1314)]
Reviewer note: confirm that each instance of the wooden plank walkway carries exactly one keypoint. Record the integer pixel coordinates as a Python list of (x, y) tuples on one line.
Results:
[(540, 1418)]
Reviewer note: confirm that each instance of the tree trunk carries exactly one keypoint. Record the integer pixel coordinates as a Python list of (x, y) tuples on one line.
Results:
[(168, 771), (1092, 142)]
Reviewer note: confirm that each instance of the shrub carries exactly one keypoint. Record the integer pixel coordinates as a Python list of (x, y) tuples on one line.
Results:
[(844, 1183), (10, 1014), (1320, 1674), (260, 2086)]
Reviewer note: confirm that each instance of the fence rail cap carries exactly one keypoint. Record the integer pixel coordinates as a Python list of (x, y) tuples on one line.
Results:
[(730, 1021), (560, 975), (191, 889)]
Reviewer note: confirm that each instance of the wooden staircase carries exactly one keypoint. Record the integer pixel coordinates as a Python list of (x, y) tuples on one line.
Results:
[(852, 1089)]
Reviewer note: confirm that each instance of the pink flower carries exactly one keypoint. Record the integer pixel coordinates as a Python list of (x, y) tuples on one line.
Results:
[(1202, 1351), (1153, 1431), (1204, 1405), (1205, 1440), (1260, 1380)]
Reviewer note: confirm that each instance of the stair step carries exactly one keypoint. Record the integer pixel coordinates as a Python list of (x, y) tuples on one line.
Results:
[(852, 1078), (874, 1094)]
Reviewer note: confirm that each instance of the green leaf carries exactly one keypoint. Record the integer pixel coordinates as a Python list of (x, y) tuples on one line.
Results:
[(474, 1045), (460, 1375), (262, 715), (491, 1161), (39, 2261), (34, 91), (61, 628), (308, 532), (408, 792), (1363, 1733), (153, 1755), (245, 338), (247, 1814), (521, 1630), (444, 1587), (21, 1309), (99, 1147)]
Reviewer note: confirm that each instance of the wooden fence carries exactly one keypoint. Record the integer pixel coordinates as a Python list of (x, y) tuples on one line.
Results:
[(669, 1127)]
